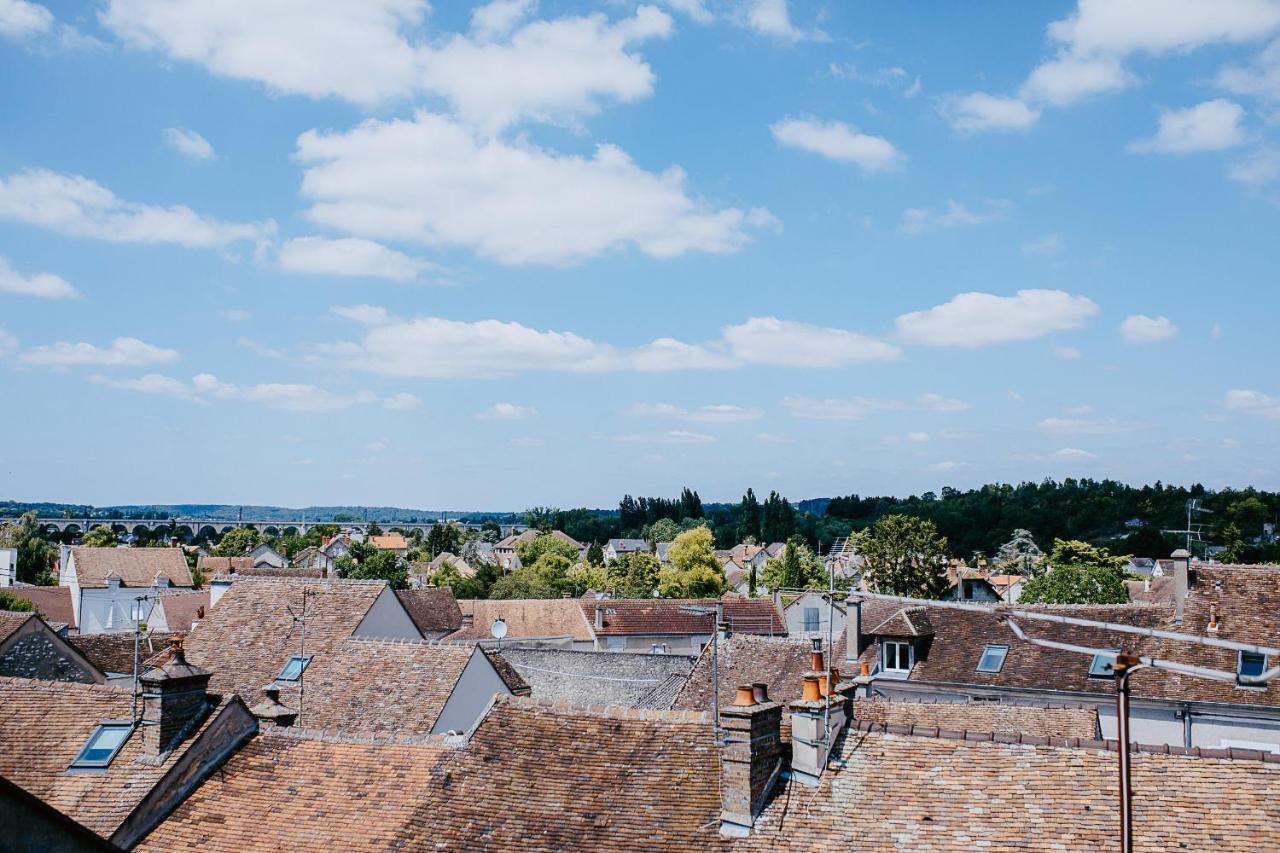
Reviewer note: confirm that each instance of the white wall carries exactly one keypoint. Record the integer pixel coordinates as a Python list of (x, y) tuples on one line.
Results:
[(470, 696), (109, 610), (8, 566)]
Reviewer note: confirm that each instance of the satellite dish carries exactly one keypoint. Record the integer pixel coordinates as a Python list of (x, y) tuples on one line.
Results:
[(498, 629)]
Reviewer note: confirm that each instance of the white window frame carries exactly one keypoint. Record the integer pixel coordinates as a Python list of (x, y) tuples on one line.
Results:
[(989, 648), (81, 762), (1240, 670), (306, 662), (1106, 672), (897, 656)]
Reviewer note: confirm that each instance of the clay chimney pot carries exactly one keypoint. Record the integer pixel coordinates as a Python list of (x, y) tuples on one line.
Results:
[(745, 697)]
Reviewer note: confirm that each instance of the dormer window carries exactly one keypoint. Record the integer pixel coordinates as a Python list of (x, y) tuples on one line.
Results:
[(992, 659), (1251, 664), (103, 744), (1100, 666), (895, 656), (294, 668)]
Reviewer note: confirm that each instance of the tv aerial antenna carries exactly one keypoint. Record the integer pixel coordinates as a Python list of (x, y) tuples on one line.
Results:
[(1194, 530)]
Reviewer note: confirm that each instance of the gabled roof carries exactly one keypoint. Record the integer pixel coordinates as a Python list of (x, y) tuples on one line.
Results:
[(136, 567), (51, 602), (779, 662), (44, 726), (114, 652), (282, 791), (595, 678), (433, 609), (907, 622), (510, 542), (180, 609), (39, 652), (624, 545), (526, 619), (623, 616), (223, 565), (389, 542)]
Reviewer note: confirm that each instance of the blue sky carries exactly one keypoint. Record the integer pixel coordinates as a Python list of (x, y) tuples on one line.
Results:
[(531, 253)]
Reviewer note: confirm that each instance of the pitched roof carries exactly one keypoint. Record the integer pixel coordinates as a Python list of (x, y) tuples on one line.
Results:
[(509, 674), (114, 652), (526, 618), (432, 609), (779, 662), (12, 620), (628, 545), (43, 728), (223, 565), (595, 678), (510, 542), (51, 602), (389, 542), (982, 792), (249, 636), (907, 622), (285, 792), (180, 609), (137, 567), (624, 616), (294, 572), (1032, 719)]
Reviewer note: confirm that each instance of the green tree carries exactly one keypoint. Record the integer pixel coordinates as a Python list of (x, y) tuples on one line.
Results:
[(10, 602), (36, 555), (1232, 543), (479, 585), (1072, 552), (1147, 541), (904, 555), (694, 571), (1076, 584), (447, 575), (238, 542), (779, 519), (99, 537), (532, 551), (364, 562), (541, 517), (662, 530), (585, 576), (796, 568), (634, 575), (595, 554), (490, 531), (749, 517), (442, 538)]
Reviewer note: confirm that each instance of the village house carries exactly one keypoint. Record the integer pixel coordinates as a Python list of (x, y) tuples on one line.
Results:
[(311, 557), (8, 567), (107, 584), (674, 626), (812, 614), (615, 548), (53, 603), (263, 555), (394, 542), (434, 610), (549, 622), (32, 648)]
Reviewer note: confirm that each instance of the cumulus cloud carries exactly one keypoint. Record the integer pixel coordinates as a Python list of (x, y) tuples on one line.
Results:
[(938, 403), (1209, 126), (1258, 167), (771, 18), (785, 343), (713, 413), (1141, 329), (979, 112), (509, 201), (349, 256), (401, 402), (838, 141), (671, 436), (1070, 77), (189, 144), (204, 387), (1259, 78), (366, 315), (918, 220), (1253, 402), (1085, 426), (506, 412), (981, 319), (80, 207), (1075, 454), (42, 285), (20, 19), (122, 352), (949, 465), (836, 409)]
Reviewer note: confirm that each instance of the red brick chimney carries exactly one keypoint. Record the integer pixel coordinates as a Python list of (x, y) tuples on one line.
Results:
[(751, 759), (174, 697)]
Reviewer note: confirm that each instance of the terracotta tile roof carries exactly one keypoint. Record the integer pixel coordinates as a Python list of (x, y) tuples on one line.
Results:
[(596, 678), (539, 776), (525, 618), (1160, 592), (509, 674), (12, 620), (282, 792), (779, 662), (51, 602), (433, 609), (887, 791), (248, 637), (114, 652), (180, 609), (223, 565), (136, 567), (907, 622), (43, 728), (1041, 720), (295, 572), (389, 542), (665, 616)]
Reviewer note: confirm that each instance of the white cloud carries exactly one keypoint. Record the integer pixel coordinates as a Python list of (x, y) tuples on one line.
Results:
[(981, 319), (770, 18), (1253, 402), (1049, 244), (917, 437), (1083, 426), (1260, 166), (1162, 26), (785, 343), (401, 402), (506, 412), (1069, 77), (74, 205), (497, 19), (895, 77), (20, 19), (151, 383), (492, 196), (671, 436), (832, 409), (1075, 454), (1077, 411), (290, 397), (1259, 79), (42, 285), (348, 256), (949, 465), (918, 220), (774, 438), (838, 141), (366, 315), (978, 112), (189, 144), (1141, 329), (714, 413), (235, 315), (938, 403), (8, 343), (1067, 353), (123, 352), (1209, 126)]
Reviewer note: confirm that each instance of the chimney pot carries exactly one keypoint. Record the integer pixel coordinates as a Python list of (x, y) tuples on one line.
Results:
[(815, 661), (865, 669), (760, 692), (812, 692), (745, 697), (272, 710)]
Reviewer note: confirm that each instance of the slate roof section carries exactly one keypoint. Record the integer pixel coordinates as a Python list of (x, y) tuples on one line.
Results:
[(223, 565), (136, 567), (433, 609), (886, 791), (907, 622), (509, 674), (643, 616), (44, 726), (114, 652), (284, 792), (179, 610), (53, 603), (779, 662), (1030, 719), (596, 678), (531, 618)]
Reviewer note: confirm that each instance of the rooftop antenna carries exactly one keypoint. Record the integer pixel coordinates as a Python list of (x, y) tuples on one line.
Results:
[(138, 627), (302, 648), (718, 611), (1194, 530)]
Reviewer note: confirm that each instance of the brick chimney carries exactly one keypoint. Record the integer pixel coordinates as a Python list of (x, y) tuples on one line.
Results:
[(750, 760), (272, 711), (853, 633), (817, 719), (174, 696), (1181, 583), (599, 623)]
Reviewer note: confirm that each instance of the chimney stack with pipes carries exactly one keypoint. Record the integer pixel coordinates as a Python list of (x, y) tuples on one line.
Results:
[(1181, 583), (817, 718), (272, 711), (599, 624), (751, 759), (853, 633), (174, 697)]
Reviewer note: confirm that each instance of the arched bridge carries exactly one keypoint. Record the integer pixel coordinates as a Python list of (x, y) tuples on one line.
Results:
[(191, 528)]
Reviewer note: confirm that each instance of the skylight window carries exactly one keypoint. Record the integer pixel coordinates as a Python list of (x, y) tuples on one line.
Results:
[(1252, 663), (992, 659), (103, 744), (1100, 666), (293, 669)]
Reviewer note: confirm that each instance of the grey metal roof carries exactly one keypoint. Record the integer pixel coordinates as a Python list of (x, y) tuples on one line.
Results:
[(598, 678)]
